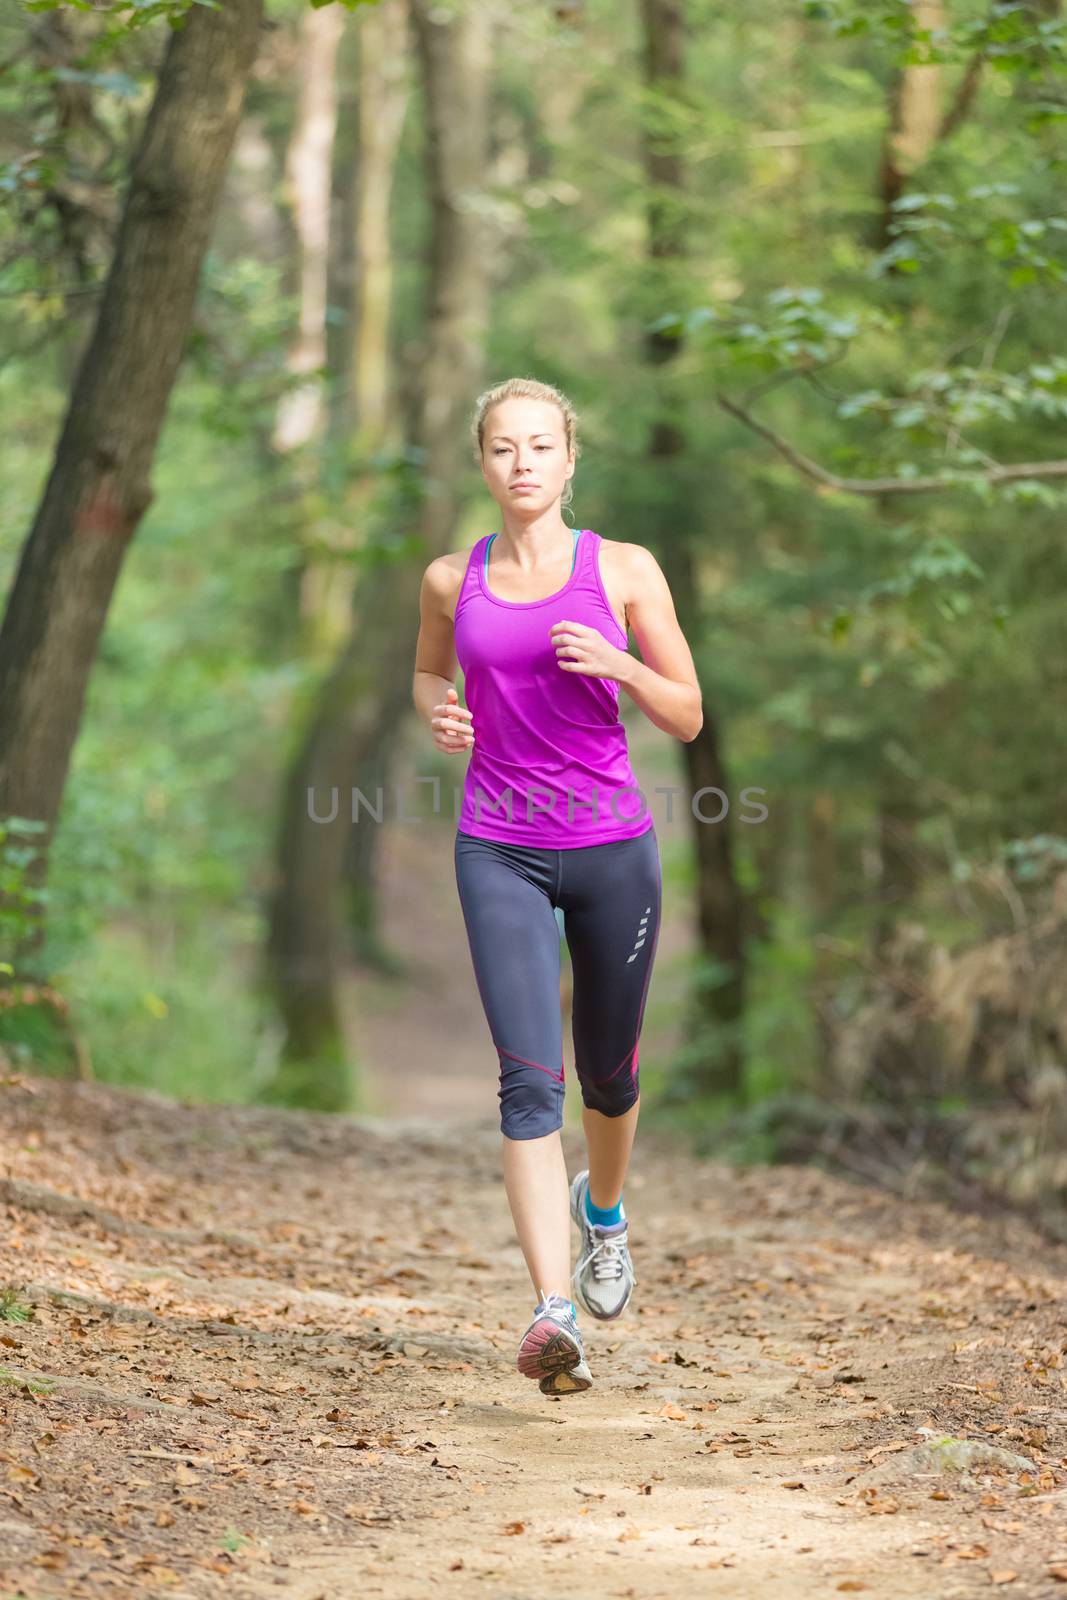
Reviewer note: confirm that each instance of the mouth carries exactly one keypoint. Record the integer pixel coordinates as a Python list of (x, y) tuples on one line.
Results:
[(517, 488)]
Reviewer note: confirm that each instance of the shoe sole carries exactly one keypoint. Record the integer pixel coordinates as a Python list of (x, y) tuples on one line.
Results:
[(573, 1381), (549, 1354)]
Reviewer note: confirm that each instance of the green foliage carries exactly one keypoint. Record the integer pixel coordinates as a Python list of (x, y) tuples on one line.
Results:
[(133, 14), (169, 1005), (1035, 860), (33, 1037), (18, 1380), (232, 1541), (1011, 37), (12, 1306), (925, 226), (18, 894), (845, 642)]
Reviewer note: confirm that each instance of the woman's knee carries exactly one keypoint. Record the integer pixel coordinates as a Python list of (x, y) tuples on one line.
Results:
[(615, 1095), (531, 1097)]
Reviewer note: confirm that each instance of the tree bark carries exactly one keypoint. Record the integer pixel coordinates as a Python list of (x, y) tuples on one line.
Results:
[(717, 1000), (914, 123), (383, 98), (99, 486), (822, 896), (368, 694), (302, 414), (308, 168)]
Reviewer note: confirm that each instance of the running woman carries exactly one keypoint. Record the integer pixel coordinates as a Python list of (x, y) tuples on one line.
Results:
[(555, 838)]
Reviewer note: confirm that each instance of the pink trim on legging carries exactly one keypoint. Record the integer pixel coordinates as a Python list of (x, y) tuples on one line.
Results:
[(615, 1071), (550, 1070)]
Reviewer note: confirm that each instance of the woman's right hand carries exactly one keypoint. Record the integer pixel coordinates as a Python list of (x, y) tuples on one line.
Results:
[(452, 724)]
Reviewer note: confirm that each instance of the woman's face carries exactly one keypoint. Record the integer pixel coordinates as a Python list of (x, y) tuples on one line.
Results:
[(523, 444)]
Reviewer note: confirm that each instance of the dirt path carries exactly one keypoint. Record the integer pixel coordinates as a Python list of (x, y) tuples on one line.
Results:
[(279, 1352)]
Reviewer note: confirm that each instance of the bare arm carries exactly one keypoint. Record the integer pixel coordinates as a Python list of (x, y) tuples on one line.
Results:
[(433, 687), (664, 682)]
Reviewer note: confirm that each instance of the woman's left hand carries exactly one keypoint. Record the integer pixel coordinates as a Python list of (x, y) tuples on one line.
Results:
[(585, 650)]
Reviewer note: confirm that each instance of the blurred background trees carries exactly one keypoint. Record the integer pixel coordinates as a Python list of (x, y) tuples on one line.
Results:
[(801, 268)]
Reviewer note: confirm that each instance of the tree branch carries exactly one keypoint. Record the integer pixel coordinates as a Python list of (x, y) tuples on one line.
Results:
[(963, 99), (1009, 473)]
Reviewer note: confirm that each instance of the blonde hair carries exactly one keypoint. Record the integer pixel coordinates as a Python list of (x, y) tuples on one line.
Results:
[(528, 389)]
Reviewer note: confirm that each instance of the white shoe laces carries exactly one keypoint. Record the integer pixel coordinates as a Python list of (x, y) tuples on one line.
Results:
[(606, 1257)]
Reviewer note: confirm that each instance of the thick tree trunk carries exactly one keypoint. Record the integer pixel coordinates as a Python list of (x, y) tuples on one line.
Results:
[(383, 98), (717, 1001), (99, 486), (308, 169), (914, 123), (301, 419), (368, 694), (372, 412)]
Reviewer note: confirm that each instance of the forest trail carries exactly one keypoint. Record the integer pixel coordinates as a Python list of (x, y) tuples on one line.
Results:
[(278, 1349)]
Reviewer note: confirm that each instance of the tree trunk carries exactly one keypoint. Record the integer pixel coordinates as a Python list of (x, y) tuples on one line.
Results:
[(251, 181), (371, 405), (383, 98), (308, 167), (302, 415), (717, 1000), (914, 123), (99, 486), (366, 697), (822, 896), (900, 857)]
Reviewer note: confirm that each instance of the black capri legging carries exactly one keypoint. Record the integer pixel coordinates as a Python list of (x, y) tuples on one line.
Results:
[(610, 896)]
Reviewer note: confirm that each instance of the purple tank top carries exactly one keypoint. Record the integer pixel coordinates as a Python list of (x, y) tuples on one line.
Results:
[(550, 765)]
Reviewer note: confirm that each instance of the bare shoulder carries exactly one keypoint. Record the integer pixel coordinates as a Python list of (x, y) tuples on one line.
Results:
[(443, 579), (628, 571)]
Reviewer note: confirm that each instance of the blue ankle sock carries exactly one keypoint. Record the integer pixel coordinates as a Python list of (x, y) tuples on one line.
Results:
[(606, 1218)]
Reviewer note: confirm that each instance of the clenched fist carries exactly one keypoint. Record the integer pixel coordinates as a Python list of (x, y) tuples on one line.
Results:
[(452, 724)]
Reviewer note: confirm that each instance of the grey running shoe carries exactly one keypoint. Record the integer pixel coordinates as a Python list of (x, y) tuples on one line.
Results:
[(551, 1349), (604, 1275)]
